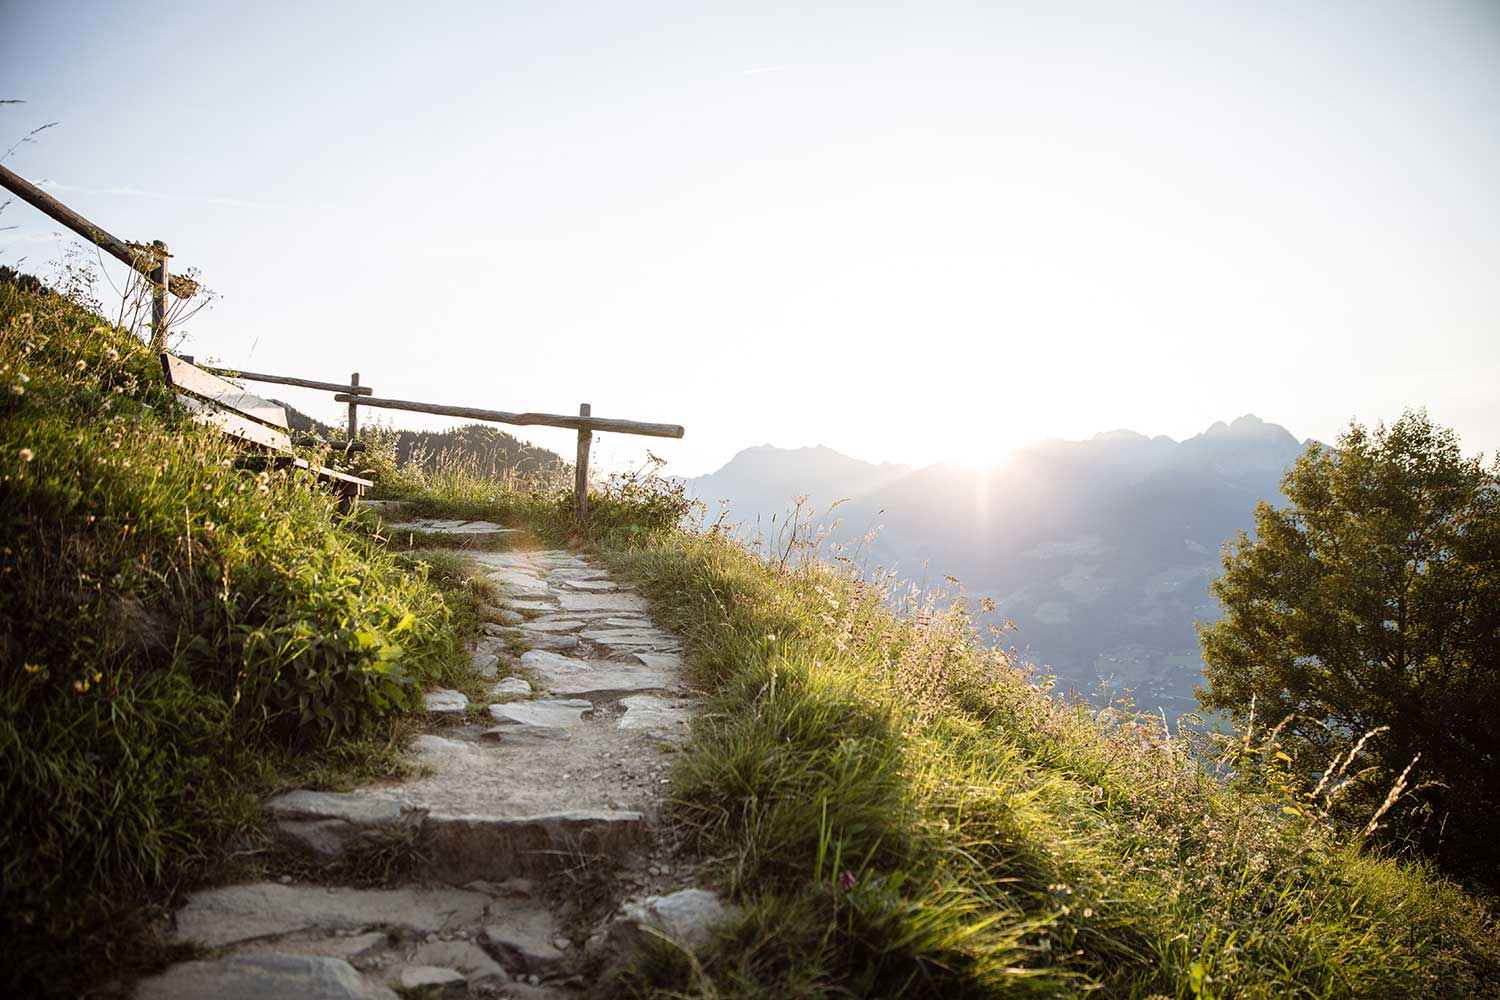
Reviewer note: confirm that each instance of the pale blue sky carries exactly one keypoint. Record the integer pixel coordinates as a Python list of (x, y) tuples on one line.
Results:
[(912, 232)]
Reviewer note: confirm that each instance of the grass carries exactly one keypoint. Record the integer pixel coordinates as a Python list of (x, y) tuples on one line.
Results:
[(177, 635), (899, 810)]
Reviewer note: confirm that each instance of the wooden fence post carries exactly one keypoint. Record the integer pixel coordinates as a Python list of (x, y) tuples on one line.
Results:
[(159, 280), (581, 468), (354, 408)]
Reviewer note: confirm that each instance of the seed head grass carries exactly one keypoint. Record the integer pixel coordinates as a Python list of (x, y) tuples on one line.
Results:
[(900, 809)]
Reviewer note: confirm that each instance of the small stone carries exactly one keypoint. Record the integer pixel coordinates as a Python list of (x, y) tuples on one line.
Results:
[(485, 664), (284, 879), (686, 917), (445, 701), (511, 687)]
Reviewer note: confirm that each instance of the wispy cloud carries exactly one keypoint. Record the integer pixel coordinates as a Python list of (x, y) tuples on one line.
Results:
[(130, 192)]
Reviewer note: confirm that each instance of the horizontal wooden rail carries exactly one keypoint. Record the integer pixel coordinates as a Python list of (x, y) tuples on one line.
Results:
[(579, 423), (140, 257), (305, 383)]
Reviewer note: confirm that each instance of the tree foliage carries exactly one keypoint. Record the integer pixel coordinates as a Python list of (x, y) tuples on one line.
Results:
[(1372, 601)]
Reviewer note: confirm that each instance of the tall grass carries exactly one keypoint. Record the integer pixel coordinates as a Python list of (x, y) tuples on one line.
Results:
[(902, 810), (172, 625)]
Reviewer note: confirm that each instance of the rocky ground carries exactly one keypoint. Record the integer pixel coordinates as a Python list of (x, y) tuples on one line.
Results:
[(526, 842)]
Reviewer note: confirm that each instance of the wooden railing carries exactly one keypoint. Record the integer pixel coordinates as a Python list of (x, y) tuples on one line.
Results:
[(151, 260), (585, 423)]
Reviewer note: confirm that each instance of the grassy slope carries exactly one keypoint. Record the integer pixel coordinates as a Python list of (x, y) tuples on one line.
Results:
[(175, 630), (900, 812)]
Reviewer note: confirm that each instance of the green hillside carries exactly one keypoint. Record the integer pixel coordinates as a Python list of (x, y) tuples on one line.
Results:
[(174, 629), (896, 808)]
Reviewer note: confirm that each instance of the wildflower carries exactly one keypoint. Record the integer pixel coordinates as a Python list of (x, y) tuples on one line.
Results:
[(18, 390), (81, 686), (25, 454), (33, 668), (847, 880), (112, 354)]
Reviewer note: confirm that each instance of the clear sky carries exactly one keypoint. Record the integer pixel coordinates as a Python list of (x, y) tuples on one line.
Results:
[(915, 232)]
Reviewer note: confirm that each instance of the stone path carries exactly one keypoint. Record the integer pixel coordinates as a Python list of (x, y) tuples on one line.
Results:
[(562, 769)]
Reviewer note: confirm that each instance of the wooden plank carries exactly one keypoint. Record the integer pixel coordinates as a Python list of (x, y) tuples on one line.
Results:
[(193, 379), (141, 259), (305, 383), (235, 425), (326, 473), (523, 419)]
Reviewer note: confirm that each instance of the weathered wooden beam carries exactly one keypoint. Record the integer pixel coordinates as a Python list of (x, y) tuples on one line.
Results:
[(142, 259), (191, 378), (305, 383), (580, 423), (581, 467), (160, 285)]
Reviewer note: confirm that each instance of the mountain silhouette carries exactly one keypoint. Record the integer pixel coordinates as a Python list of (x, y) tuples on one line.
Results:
[(1101, 551)]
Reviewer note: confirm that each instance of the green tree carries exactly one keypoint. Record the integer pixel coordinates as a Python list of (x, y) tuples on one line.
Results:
[(1373, 600)]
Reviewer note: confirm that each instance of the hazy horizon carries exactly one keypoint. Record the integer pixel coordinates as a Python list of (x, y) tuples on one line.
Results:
[(915, 234)]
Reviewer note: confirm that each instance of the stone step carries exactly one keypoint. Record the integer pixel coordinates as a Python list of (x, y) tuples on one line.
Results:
[(263, 977), (237, 914), (569, 675), (461, 532), (464, 848), (350, 944)]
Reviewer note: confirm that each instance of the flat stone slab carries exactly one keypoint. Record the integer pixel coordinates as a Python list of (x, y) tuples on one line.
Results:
[(462, 956), (655, 714), (558, 643), (231, 914), (485, 664), (448, 527), (572, 601), (445, 701), (523, 605), (262, 977), (519, 582), (525, 940), (424, 977), (551, 625), (665, 662), (569, 675), (627, 643), (589, 586), (549, 718), (327, 823)]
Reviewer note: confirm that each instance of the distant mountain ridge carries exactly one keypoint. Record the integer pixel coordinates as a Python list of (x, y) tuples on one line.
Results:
[(1101, 550)]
